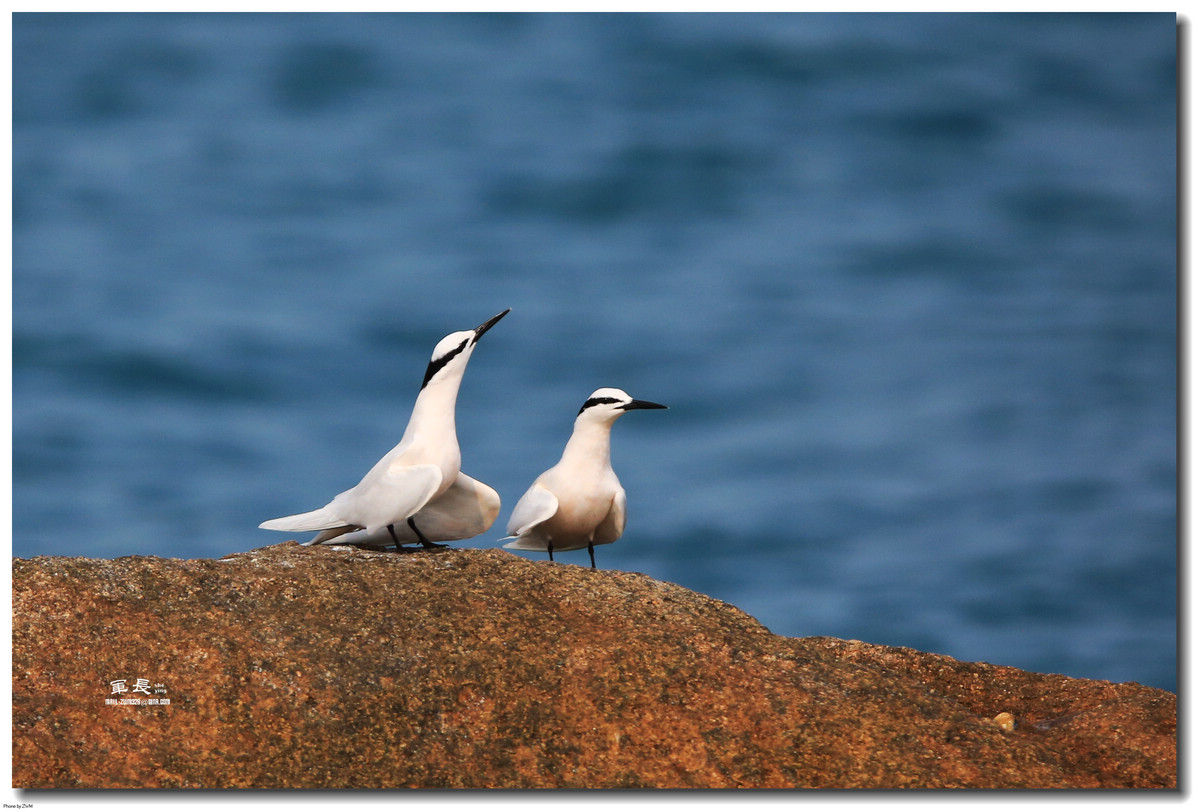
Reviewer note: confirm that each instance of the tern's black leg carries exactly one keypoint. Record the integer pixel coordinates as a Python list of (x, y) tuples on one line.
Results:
[(550, 549), (426, 543), (392, 530), (592, 554)]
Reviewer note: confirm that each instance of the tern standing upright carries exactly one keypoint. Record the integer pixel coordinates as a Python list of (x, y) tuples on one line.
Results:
[(416, 492), (579, 502)]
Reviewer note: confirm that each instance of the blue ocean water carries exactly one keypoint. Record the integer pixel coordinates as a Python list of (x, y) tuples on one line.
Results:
[(907, 282)]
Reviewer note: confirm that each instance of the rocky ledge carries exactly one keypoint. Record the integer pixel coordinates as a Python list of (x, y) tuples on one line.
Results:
[(289, 667)]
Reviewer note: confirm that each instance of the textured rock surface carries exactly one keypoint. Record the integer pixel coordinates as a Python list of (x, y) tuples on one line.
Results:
[(329, 667)]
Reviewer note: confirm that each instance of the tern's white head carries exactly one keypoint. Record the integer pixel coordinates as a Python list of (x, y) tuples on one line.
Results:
[(451, 354), (607, 404)]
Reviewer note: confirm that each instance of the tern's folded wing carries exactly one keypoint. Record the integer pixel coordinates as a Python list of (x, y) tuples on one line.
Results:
[(536, 506), (392, 497), (614, 523), (319, 519), (466, 509)]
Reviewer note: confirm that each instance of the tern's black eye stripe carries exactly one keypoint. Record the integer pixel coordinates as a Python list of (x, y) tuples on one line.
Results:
[(438, 363), (596, 402)]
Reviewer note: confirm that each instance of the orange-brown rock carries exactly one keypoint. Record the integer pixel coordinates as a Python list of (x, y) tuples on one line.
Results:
[(291, 666)]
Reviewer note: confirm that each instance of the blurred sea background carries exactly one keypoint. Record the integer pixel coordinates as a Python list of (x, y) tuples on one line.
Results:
[(907, 282)]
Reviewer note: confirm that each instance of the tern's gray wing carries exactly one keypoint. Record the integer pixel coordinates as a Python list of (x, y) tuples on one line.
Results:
[(536, 506), (319, 519), (391, 497), (466, 509)]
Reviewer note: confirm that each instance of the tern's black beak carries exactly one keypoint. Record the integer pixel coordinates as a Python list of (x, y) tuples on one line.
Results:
[(641, 404), (487, 325)]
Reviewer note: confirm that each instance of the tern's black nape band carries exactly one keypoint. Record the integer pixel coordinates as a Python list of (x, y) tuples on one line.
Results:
[(438, 363), (595, 402)]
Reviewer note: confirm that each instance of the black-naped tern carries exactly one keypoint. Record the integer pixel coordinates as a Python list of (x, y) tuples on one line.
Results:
[(579, 502), (416, 493)]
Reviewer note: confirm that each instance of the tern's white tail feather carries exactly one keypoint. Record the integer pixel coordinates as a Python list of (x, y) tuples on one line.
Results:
[(319, 519), (526, 543), (332, 533)]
